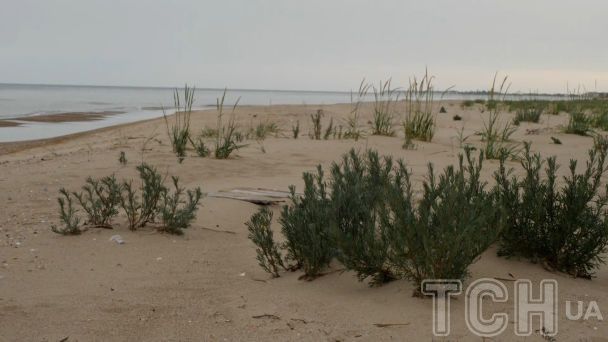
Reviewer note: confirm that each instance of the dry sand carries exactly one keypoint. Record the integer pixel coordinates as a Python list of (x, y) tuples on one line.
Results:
[(207, 285)]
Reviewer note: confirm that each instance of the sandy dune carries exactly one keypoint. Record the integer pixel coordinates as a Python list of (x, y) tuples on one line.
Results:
[(207, 285)]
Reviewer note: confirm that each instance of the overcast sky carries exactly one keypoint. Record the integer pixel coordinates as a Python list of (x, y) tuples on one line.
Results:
[(311, 44)]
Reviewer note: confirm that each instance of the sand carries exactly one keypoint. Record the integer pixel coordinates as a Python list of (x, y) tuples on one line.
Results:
[(9, 123), (58, 118), (206, 285), (66, 117)]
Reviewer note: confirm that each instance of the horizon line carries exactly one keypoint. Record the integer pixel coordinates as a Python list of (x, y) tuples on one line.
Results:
[(478, 91)]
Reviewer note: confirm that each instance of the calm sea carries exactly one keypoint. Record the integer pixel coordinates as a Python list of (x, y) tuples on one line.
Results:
[(137, 103)]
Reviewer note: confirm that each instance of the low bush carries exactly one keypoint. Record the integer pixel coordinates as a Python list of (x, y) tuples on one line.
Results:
[(496, 134), (385, 98), (358, 192), (419, 121), (201, 149), (366, 216), (467, 104), (329, 130), (208, 132), (144, 210), (177, 213), (305, 225), (529, 114), (353, 130), (316, 125), (564, 227), (122, 159), (179, 130), (268, 252), (295, 130), (100, 199), (67, 214), (265, 128), (448, 230), (226, 139), (579, 123), (599, 119)]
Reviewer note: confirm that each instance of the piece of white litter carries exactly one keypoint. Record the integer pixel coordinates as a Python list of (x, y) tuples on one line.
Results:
[(159, 259), (242, 274), (118, 239)]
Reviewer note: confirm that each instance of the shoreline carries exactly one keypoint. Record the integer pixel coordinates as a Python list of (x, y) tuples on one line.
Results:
[(150, 113), (7, 148)]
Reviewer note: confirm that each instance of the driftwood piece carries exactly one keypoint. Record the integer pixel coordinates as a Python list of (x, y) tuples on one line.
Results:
[(385, 325), (270, 316), (253, 195)]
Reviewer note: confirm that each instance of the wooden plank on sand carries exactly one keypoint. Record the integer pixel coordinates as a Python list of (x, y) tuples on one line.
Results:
[(253, 195)]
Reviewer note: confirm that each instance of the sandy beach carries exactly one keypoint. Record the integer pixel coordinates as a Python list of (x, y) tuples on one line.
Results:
[(206, 284)]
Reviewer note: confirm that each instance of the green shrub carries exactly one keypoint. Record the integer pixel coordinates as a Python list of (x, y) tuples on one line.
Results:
[(176, 213), (295, 130), (268, 254), (600, 119), (227, 143), (530, 114), (579, 123), (599, 116), (226, 139), (358, 192), (208, 132), (385, 99), (366, 216), (565, 227), (122, 159), (467, 104), (419, 121), (100, 200), (201, 149), (179, 132), (316, 125), (448, 230), (495, 134), (144, 210), (353, 131), (131, 204), (67, 214), (265, 128), (305, 225), (329, 130)]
